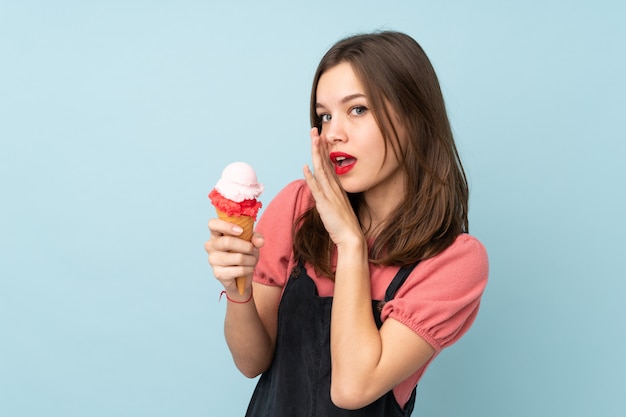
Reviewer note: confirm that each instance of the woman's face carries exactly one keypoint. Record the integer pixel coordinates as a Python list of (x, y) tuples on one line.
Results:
[(355, 142)]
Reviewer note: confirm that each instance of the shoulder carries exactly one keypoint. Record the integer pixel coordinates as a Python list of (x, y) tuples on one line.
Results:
[(295, 189), (288, 204), (462, 266), (440, 299), (465, 251), (276, 225), (295, 196)]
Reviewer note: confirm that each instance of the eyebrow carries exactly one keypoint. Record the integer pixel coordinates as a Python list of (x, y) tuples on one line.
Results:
[(344, 100)]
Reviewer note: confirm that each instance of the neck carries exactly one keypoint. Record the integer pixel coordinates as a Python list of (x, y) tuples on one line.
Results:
[(372, 216)]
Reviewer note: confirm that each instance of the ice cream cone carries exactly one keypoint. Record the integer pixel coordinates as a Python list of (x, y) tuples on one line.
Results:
[(235, 200), (247, 224)]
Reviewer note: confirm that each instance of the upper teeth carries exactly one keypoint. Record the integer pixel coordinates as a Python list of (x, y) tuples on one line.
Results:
[(340, 158)]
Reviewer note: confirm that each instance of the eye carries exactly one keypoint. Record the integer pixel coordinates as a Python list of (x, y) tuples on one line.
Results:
[(324, 118), (358, 110)]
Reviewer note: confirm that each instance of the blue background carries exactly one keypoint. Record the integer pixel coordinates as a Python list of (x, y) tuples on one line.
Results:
[(116, 118)]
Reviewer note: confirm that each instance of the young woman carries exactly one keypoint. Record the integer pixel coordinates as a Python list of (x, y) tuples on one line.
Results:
[(363, 271)]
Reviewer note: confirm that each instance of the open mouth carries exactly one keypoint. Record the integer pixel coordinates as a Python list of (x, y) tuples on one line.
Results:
[(342, 162)]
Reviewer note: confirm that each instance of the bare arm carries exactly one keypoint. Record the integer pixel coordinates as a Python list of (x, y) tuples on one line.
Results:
[(249, 327), (367, 362), (250, 330)]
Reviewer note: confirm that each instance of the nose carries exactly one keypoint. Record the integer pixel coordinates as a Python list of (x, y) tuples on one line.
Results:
[(333, 131)]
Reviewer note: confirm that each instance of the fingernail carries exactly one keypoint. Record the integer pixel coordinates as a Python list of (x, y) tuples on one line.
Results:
[(237, 229)]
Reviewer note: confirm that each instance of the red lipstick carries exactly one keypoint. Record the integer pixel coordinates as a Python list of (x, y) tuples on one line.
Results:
[(343, 162)]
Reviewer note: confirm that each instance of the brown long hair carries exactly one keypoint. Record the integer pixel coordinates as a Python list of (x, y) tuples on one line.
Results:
[(406, 100)]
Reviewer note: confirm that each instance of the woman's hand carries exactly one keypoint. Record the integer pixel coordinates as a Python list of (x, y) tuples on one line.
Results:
[(232, 257), (331, 200)]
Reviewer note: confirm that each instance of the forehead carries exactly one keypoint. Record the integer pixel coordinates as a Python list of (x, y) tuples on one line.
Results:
[(339, 81)]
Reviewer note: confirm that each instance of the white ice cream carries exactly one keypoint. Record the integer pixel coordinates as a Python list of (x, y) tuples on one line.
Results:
[(239, 182)]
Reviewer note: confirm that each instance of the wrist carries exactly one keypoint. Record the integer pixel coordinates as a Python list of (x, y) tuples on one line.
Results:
[(237, 298), (354, 247)]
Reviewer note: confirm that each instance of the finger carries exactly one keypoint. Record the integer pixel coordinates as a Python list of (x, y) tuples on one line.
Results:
[(321, 181), (228, 274), (310, 177), (311, 180), (228, 265), (220, 227), (315, 154), (233, 259), (257, 240), (319, 157), (231, 244), (329, 178)]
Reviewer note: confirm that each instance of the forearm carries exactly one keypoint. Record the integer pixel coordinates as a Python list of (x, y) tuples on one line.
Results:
[(249, 342), (356, 345)]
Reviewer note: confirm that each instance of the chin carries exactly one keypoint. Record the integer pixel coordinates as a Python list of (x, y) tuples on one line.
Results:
[(350, 188)]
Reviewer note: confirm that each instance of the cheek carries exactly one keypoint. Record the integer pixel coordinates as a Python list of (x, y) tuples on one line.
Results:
[(377, 148)]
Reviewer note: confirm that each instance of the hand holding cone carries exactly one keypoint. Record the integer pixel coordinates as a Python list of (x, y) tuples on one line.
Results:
[(247, 224)]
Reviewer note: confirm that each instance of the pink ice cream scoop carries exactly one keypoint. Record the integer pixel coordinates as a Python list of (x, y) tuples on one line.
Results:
[(236, 192)]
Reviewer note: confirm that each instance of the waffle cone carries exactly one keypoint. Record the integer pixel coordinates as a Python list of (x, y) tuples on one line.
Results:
[(247, 224)]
